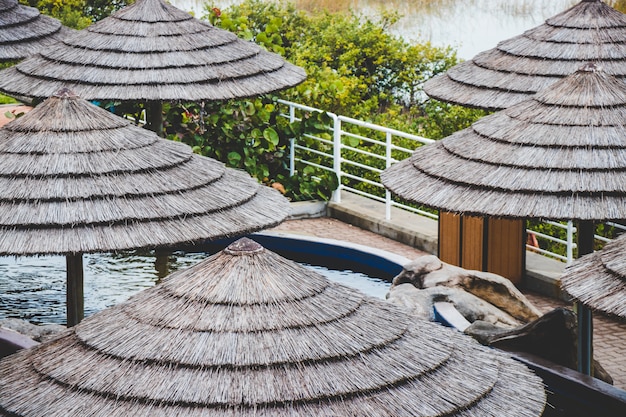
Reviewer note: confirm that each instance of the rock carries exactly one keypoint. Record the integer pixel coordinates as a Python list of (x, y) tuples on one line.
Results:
[(414, 271), (429, 271), (417, 301), (500, 292), (39, 333), (420, 302), (554, 337)]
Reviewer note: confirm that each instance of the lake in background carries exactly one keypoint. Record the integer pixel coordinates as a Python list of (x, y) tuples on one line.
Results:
[(471, 26)]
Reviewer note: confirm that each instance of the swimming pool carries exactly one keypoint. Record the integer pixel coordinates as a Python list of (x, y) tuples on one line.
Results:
[(33, 288)]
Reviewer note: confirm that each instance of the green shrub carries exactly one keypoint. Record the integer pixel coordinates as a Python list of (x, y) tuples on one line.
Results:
[(355, 68), (250, 135)]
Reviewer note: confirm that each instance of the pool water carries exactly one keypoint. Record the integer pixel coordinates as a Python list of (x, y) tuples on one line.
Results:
[(33, 288), (372, 286)]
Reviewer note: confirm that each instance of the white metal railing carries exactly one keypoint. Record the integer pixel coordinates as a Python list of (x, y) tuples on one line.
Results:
[(568, 242), (335, 154), (335, 151)]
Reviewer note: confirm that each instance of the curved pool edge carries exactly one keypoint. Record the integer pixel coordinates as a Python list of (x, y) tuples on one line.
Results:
[(380, 253), (331, 253), (336, 254)]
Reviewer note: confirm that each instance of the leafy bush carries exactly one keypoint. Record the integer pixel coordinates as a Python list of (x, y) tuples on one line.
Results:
[(77, 14), (248, 134), (355, 67)]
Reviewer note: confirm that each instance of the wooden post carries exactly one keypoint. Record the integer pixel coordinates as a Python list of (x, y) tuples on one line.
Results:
[(162, 263), (74, 293), (154, 117), (586, 231)]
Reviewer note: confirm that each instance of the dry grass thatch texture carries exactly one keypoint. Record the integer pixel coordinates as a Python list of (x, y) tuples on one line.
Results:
[(558, 155), (24, 31), (151, 50), (521, 66), (249, 333), (75, 178), (598, 280)]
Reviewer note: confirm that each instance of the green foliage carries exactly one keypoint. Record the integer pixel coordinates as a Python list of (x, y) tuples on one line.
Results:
[(71, 13), (356, 68), (77, 14), (437, 120), (7, 100), (99, 9), (602, 229), (248, 134)]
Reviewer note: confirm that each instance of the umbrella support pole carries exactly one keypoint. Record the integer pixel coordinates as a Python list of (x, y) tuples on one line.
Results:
[(154, 117), (75, 297), (586, 231), (162, 263)]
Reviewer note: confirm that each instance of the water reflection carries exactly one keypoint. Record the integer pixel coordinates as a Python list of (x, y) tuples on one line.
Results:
[(33, 288), (471, 26)]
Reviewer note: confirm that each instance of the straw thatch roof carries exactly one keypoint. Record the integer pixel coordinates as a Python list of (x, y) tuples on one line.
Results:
[(24, 31), (151, 50), (558, 155), (249, 333), (75, 178), (521, 66), (598, 279)]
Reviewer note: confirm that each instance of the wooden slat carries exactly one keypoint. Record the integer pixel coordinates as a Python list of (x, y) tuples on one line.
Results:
[(472, 242), (449, 238), (506, 248)]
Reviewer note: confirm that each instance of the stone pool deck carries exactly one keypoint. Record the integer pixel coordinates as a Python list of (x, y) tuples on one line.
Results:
[(609, 334)]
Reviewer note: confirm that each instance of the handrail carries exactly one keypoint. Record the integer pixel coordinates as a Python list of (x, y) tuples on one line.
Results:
[(338, 153)]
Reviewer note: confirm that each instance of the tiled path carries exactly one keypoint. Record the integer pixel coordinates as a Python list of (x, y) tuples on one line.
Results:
[(10, 108), (609, 335)]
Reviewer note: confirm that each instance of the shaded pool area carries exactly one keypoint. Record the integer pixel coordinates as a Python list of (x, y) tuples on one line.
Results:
[(33, 288)]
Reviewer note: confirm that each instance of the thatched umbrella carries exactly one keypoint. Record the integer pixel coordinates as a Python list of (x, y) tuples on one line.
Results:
[(75, 179), (559, 155), (249, 333), (152, 51), (519, 67), (24, 31), (598, 280)]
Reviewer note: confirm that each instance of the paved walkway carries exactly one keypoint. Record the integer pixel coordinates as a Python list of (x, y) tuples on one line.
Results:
[(609, 335), (11, 108)]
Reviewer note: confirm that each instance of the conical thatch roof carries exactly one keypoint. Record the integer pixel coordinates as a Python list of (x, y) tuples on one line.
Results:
[(523, 65), (151, 50), (249, 333), (24, 31), (75, 178), (558, 155), (598, 279)]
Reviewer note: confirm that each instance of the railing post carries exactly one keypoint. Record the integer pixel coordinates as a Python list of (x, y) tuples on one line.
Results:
[(570, 242), (388, 144), (292, 143), (337, 156)]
